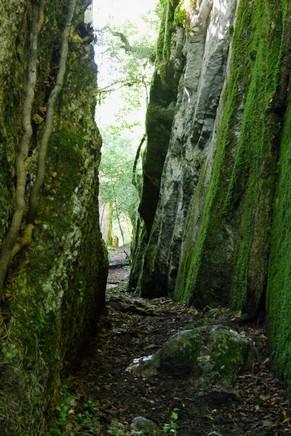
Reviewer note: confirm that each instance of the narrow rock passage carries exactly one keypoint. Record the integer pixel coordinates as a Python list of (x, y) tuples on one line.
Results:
[(101, 398)]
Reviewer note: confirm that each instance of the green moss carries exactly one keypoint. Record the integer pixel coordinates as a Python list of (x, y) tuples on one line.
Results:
[(180, 353), (279, 288), (160, 113), (228, 352), (181, 17), (167, 26), (56, 301), (191, 259), (56, 286), (214, 355), (229, 261)]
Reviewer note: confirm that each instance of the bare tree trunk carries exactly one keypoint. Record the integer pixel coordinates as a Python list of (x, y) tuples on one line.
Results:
[(26, 238), (106, 222)]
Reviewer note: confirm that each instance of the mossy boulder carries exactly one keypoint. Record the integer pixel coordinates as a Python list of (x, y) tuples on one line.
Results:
[(211, 355), (144, 426)]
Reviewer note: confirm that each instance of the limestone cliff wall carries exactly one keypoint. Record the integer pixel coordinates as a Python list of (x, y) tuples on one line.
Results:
[(159, 119), (227, 258), (279, 283), (206, 36), (55, 286), (221, 228)]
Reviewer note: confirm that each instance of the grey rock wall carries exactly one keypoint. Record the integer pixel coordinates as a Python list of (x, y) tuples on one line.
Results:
[(192, 140)]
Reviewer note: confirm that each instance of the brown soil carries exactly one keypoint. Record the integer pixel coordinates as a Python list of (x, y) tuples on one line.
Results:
[(103, 398)]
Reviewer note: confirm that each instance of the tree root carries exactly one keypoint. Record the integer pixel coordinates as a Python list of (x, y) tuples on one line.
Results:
[(42, 153), (13, 232), (12, 244)]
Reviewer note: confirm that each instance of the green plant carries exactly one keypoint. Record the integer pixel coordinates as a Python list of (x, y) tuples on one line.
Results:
[(64, 408), (172, 426), (112, 431), (181, 16), (77, 415)]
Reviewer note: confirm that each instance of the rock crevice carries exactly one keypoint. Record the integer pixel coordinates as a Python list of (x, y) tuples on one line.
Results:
[(222, 213)]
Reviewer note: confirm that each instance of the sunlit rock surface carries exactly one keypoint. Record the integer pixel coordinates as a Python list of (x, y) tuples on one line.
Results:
[(205, 49), (160, 113)]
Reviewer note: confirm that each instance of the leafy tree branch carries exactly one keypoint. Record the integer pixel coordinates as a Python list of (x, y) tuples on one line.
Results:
[(140, 50)]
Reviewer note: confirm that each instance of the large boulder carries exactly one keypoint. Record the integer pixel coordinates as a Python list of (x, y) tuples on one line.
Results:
[(211, 355)]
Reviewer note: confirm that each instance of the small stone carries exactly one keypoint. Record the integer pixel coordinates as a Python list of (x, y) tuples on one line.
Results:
[(144, 426), (266, 423), (214, 433), (144, 367)]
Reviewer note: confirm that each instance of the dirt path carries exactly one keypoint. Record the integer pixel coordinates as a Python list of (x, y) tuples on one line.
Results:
[(101, 398)]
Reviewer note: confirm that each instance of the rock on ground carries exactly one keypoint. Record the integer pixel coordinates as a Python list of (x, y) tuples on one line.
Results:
[(214, 355)]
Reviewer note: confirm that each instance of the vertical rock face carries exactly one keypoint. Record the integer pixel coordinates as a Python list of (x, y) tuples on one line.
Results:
[(55, 286), (105, 211), (159, 119), (221, 227), (227, 258), (205, 49), (279, 283)]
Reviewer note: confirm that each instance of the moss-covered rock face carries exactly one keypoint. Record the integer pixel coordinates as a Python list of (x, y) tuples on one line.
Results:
[(159, 119), (160, 113), (205, 46), (13, 15), (279, 285), (56, 286), (221, 228), (227, 258)]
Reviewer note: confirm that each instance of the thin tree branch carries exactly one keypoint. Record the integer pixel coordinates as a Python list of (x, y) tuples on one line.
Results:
[(137, 156), (26, 238), (21, 172), (34, 197), (123, 84), (123, 38)]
